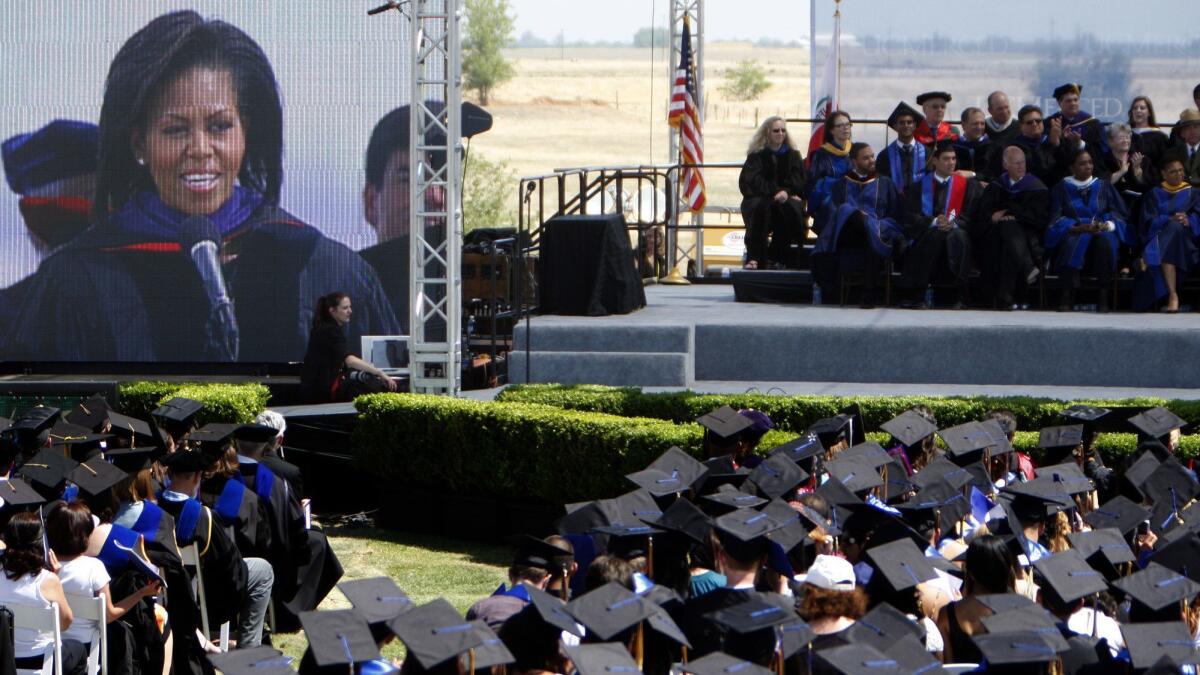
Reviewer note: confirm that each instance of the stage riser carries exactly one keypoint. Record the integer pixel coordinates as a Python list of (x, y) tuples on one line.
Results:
[(616, 368), (606, 337), (999, 355)]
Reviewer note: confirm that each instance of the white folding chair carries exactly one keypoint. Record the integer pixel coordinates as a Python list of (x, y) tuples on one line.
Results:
[(93, 609), (191, 557), (42, 620), (957, 668)]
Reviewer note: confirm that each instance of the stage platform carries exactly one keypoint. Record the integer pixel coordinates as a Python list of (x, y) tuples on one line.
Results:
[(700, 337)]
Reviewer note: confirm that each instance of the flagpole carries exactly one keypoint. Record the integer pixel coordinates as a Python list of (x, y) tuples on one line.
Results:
[(674, 277)]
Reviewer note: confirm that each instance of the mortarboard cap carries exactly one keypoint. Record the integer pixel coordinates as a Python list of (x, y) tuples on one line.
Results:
[(491, 650), (1157, 586), (901, 563), (125, 425), (904, 109), (1171, 484), (186, 461), (686, 518), (178, 410), (1037, 499), (966, 438), (255, 433), (909, 427), (1069, 476), (610, 609), (1120, 513), (62, 149), (727, 495), (1066, 436), (49, 467), (434, 632), (604, 658), (340, 637), (377, 599), (1157, 422), (777, 476), (35, 420), (929, 95), (855, 473), (718, 663), (551, 611), (96, 475), (883, 626), (1103, 548), (534, 552), (212, 437), (18, 493), (1070, 576), (66, 433), (1149, 642), (790, 528), (870, 452), (674, 471), (743, 533), (1085, 414), (830, 429), (1004, 602), (1016, 647), (859, 659), (1138, 473), (133, 460), (252, 661), (1117, 419), (942, 468), (752, 615), (723, 471), (1068, 88), (1181, 555), (800, 448), (724, 422), (90, 413)]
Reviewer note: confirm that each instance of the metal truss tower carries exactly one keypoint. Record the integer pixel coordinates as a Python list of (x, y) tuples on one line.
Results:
[(435, 180), (694, 11)]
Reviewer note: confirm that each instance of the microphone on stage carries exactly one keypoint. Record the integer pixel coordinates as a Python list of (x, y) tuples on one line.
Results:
[(200, 241), (391, 4)]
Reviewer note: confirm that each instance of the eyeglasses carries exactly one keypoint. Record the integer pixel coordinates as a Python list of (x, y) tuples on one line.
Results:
[(1032, 122), (779, 131), (843, 125)]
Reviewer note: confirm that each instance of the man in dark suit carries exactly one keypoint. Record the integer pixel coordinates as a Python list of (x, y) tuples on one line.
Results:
[(1188, 143), (270, 456)]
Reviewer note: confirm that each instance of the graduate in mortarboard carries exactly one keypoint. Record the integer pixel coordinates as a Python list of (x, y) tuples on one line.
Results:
[(238, 508), (1088, 224), (1169, 231), (934, 128), (938, 213), (1073, 128), (237, 587), (859, 218), (1013, 215), (904, 160)]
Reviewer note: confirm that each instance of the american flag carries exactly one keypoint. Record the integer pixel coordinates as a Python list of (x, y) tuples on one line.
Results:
[(683, 115)]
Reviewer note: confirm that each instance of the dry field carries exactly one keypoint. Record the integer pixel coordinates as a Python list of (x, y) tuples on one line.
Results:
[(605, 106)]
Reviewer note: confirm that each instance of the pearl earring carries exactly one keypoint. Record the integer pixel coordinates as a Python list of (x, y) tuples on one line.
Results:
[(141, 162)]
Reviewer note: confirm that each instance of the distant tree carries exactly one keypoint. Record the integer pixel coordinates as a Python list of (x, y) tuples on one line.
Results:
[(529, 39), (489, 194), (489, 29), (1102, 70), (650, 37), (746, 81)]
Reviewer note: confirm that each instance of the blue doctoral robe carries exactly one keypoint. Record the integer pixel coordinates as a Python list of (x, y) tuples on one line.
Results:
[(1164, 240), (876, 199), (1070, 205), (825, 170)]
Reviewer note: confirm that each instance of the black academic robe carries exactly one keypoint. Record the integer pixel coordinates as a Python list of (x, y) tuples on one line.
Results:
[(1041, 159), (902, 168), (763, 175), (708, 636), (305, 566), (287, 471), (1152, 143), (1002, 137), (1007, 250), (241, 513), (976, 156), (225, 573), (933, 251), (114, 295)]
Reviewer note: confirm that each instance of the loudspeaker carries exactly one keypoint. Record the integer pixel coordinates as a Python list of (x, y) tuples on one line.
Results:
[(587, 267)]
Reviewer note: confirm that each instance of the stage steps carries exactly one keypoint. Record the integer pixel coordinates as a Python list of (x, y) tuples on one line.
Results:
[(594, 352)]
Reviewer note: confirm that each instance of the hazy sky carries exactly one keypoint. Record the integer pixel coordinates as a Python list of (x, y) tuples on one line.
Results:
[(788, 19)]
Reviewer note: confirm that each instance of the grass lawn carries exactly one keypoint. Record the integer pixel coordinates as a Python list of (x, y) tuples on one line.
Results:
[(426, 567)]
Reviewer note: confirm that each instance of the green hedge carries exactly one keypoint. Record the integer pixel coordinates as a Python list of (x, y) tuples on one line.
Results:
[(505, 449), (495, 449), (222, 402), (796, 413)]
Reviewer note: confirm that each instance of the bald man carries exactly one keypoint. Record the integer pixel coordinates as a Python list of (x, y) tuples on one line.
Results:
[(1013, 215), (1002, 127)]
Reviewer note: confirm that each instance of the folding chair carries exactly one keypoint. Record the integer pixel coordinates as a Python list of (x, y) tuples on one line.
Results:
[(93, 609), (191, 557), (42, 620), (956, 668)]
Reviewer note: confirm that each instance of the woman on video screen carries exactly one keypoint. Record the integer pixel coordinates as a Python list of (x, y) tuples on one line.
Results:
[(190, 257)]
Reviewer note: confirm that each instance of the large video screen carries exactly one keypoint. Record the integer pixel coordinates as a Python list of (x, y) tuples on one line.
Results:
[(135, 132)]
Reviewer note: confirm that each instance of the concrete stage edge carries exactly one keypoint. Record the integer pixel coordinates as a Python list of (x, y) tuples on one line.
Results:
[(699, 337)]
